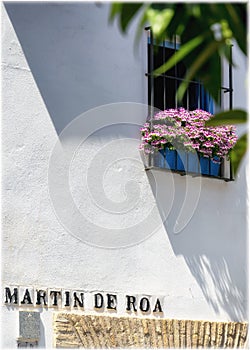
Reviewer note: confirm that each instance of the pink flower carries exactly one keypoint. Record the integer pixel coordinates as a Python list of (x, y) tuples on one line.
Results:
[(186, 129)]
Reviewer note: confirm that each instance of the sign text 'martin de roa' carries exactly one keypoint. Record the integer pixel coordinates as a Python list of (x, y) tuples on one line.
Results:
[(58, 298)]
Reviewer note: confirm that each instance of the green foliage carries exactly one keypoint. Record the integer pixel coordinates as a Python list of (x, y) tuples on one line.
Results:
[(125, 13), (206, 31), (236, 116), (238, 152)]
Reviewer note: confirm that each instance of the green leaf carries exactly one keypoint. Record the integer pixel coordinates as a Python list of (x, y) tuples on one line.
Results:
[(198, 63), (125, 12), (116, 8), (210, 75), (235, 116), (179, 55), (159, 21), (238, 152), (129, 11), (238, 25), (140, 27)]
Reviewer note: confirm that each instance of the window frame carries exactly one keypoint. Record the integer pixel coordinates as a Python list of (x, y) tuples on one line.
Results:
[(150, 68)]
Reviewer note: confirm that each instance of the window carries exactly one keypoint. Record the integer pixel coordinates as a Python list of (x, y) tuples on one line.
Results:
[(165, 86), (162, 90), (162, 93)]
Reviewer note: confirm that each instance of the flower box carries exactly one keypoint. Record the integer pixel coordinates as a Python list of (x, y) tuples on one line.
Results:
[(168, 158), (209, 167), (187, 162), (180, 141)]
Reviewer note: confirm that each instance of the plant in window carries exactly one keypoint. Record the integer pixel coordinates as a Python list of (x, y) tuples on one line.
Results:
[(182, 130)]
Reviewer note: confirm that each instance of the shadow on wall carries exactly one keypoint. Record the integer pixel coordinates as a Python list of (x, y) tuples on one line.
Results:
[(73, 53), (53, 38), (214, 241), (220, 284)]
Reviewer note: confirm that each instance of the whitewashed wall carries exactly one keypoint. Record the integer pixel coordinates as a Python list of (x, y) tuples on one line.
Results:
[(60, 60)]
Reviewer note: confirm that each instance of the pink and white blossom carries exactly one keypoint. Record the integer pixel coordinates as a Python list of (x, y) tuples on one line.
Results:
[(186, 130)]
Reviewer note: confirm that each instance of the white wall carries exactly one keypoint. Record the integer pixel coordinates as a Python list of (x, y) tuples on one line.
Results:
[(60, 60), (70, 51)]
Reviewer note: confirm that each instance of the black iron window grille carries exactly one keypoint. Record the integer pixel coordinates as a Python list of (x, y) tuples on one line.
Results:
[(162, 95)]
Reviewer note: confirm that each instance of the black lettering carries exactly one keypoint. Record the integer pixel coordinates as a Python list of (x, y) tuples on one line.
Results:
[(144, 305), (131, 300), (55, 293), (67, 299), (26, 297), (40, 294), (98, 301), (111, 301), (9, 297), (158, 307), (76, 299)]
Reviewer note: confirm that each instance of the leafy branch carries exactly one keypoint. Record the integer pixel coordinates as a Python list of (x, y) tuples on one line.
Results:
[(206, 31)]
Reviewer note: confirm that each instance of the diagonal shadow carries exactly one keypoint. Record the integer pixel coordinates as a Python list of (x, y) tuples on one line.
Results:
[(213, 243), (68, 48)]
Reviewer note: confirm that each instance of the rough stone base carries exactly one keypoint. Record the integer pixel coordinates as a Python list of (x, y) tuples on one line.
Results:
[(87, 331)]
